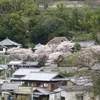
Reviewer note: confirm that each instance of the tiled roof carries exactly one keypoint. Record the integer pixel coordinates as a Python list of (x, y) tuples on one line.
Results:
[(3, 66), (28, 63), (57, 40), (15, 62), (10, 86), (8, 42), (75, 88), (84, 80), (37, 46), (42, 76), (86, 43), (26, 71), (42, 90)]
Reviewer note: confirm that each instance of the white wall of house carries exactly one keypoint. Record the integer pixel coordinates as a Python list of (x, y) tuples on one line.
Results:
[(69, 95), (72, 95), (3, 51), (54, 96)]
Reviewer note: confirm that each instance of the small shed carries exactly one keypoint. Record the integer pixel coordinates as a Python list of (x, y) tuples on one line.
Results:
[(15, 64), (40, 93)]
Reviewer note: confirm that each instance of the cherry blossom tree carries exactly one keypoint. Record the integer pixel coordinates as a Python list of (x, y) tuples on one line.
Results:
[(51, 52)]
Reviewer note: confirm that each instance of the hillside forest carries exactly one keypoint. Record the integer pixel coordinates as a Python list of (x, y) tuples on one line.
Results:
[(25, 22)]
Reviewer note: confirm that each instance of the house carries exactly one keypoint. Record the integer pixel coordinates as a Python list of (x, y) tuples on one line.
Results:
[(15, 64), (23, 92), (3, 69), (3, 49), (22, 64), (1, 83), (9, 43), (75, 92), (85, 44), (38, 93), (48, 80)]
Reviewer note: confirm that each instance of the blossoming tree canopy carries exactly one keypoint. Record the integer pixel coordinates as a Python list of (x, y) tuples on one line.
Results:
[(52, 51)]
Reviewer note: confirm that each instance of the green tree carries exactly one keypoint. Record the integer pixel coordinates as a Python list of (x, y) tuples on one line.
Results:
[(14, 29), (28, 8), (47, 28), (77, 47), (5, 7)]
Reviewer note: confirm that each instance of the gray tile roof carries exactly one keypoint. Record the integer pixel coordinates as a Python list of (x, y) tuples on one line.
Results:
[(37, 46), (28, 63), (57, 40), (83, 80), (3, 66), (2, 46), (26, 71), (8, 42), (10, 86), (42, 76), (85, 44), (75, 88), (21, 92), (42, 91), (17, 62)]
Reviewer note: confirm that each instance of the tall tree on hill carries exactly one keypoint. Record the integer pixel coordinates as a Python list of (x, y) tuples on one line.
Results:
[(5, 7), (13, 26), (47, 28)]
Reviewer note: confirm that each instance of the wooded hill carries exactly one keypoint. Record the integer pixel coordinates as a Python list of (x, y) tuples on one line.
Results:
[(24, 22)]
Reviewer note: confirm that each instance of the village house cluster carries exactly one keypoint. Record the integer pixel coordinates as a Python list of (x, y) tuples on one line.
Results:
[(28, 81)]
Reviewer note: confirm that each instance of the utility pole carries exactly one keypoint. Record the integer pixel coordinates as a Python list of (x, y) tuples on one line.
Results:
[(32, 93), (5, 77), (21, 55), (5, 70)]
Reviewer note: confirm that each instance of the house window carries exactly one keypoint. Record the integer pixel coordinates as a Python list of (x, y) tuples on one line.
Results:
[(45, 84), (62, 98), (79, 97)]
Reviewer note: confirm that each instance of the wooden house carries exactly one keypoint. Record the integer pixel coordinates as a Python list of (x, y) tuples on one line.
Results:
[(48, 80), (16, 64)]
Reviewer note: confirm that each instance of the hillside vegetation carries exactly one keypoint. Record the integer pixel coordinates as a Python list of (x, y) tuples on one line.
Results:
[(24, 22)]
